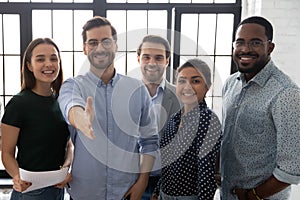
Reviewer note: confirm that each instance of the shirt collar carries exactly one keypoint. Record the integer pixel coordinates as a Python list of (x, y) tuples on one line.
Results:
[(261, 77), (162, 85), (95, 79)]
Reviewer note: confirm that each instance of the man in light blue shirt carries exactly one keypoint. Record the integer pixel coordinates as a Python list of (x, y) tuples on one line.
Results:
[(114, 134), (260, 154)]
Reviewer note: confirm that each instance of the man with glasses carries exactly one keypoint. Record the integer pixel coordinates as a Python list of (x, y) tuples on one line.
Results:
[(114, 135), (260, 154)]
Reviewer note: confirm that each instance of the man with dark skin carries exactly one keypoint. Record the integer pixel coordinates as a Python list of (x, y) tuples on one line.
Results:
[(260, 154)]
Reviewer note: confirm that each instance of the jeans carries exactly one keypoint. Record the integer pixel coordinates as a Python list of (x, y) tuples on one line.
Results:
[(48, 193), (163, 196)]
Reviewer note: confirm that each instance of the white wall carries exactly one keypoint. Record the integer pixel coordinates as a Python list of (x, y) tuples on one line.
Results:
[(285, 18)]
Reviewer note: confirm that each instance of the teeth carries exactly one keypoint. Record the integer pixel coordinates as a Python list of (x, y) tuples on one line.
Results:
[(188, 94), (246, 58), (48, 72), (100, 56)]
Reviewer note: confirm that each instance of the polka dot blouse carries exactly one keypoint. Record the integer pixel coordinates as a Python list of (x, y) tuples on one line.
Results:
[(189, 148)]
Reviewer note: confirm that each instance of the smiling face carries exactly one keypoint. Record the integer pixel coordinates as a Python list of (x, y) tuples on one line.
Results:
[(100, 58), (44, 64), (250, 60), (190, 87), (153, 62)]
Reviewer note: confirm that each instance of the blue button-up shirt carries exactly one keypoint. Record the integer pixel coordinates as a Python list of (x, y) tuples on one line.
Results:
[(261, 131), (106, 167)]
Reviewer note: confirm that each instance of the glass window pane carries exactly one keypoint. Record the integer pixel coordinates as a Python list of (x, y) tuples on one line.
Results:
[(216, 106), (225, 1), (11, 33), (19, 0), (1, 74), (41, 1), (180, 1), (1, 31), (133, 67), (136, 1), (12, 69), (202, 1), (80, 18), (207, 27), (62, 29), (224, 34), (120, 61), (158, 28), (62, 1), (83, 1), (41, 24), (158, 1), (137, 28), (118, 20), (116, 1), (222, 72), (67, 64), (189, 28), (81, 63)]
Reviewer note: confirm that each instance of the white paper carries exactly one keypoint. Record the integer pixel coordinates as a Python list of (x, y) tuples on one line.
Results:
[(43, 179)]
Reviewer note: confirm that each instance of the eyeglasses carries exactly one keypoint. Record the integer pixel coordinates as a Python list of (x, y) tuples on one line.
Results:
[(106, 43), (252, 44)]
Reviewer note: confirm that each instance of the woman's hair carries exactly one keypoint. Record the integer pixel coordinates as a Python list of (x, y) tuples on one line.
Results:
[(28, 79), (199, 65)]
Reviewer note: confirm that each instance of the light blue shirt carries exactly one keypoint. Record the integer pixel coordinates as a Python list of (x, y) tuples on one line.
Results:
[(157, 109), (106, 167), (157, 104), (261, 131)]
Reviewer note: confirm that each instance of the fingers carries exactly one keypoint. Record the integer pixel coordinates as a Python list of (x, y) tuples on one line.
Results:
[(89, 110), (89, 105), (20, 185), (65, 182)]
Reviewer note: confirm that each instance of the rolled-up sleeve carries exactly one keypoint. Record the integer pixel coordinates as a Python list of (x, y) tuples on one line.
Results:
[(69, 96), (149, 139), (286, 116)]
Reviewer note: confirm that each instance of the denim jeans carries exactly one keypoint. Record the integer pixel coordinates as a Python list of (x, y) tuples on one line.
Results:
[(48, 193), (163, 196)]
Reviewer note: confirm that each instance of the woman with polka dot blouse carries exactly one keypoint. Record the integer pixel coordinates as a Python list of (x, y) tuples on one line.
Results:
[(191, 140)]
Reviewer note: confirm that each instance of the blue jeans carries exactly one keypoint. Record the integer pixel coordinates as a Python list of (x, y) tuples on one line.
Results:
[(163, 196), (48, 193)]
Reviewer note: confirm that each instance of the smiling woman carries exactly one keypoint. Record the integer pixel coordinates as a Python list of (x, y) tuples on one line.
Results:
[(32, 125)]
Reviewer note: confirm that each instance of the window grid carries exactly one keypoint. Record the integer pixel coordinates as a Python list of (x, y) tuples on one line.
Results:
[(73, 55)]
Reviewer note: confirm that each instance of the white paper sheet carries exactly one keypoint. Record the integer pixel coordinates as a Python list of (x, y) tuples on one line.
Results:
[(43, 179)]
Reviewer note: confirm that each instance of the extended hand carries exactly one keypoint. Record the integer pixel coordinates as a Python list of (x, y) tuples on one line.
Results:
[(82, 119)]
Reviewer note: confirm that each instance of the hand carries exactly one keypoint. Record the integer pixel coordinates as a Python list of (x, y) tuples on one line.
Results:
[(64, 182), (240, 193), (218, 179), (154, 197), (82, 119), (20, 185), (136, 190)]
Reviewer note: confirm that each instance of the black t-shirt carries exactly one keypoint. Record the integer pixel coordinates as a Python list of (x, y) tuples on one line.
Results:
[(43, 132)]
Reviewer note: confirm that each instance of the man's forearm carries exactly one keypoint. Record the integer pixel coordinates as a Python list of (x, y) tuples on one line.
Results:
[(270, 187)]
